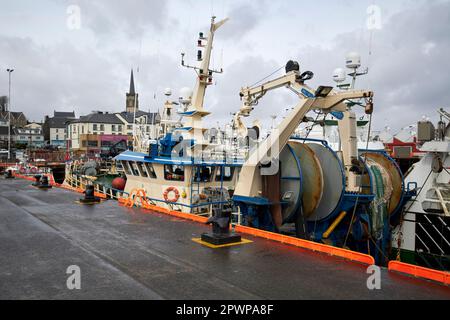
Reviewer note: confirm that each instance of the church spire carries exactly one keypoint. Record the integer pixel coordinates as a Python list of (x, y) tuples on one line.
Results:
[(132, 103), (132, 90)]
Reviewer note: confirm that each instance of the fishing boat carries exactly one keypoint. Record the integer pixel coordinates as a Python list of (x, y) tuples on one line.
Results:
[(335, 192), (185, 170), (423, 234)]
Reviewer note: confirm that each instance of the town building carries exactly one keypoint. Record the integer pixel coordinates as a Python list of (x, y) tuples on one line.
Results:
[(55, 128), (99, 130), (3, 134), (18, 119), (27, 137)]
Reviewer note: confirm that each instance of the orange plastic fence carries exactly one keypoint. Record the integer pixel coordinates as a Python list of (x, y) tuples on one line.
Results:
[(338, 252), (24, 177), (420, 272), (139, 194), (54, 184)]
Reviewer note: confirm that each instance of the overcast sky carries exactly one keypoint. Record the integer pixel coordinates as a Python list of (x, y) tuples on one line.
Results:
[(62, 65)]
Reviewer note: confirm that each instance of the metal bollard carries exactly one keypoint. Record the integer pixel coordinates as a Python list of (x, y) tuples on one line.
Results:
[(89, 196), (221, 235), (9, 175), (44, 183), (37, 183)]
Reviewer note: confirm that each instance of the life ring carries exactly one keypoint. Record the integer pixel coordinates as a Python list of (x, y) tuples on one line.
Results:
[(22, 170), (175, 191), (34, 170)]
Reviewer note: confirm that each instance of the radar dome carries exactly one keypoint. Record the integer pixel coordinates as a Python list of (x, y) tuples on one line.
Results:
[(185, 95), (339, 75), (168, 92), (353, 60)]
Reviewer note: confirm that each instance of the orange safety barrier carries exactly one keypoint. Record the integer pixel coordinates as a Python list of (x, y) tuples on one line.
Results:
[(318, 247), (62, 186), (141, 195), (24, 177), (420, 272), (100, 195)]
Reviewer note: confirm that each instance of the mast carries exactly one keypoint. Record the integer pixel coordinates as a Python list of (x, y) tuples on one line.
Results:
[(205, 73), (194, 112)]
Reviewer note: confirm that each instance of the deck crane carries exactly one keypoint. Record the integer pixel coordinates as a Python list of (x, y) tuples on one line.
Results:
[(249, 186), (351, 198)]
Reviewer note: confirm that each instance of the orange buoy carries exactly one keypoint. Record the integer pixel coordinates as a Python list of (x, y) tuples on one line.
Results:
[(119, 183)]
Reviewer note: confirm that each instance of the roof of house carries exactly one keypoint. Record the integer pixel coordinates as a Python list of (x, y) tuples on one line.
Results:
[(99, 117), (29, 132), (58, 114), (153, 118), (14, 115), (59, 123)]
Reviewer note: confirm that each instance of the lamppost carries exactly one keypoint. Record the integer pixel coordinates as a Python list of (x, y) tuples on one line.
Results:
[(9, 114)]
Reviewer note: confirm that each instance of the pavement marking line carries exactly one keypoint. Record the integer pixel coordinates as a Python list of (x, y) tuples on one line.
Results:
[(212, 246)]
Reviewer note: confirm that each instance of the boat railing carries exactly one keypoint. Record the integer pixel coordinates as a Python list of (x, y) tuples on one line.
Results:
[(81, 183)]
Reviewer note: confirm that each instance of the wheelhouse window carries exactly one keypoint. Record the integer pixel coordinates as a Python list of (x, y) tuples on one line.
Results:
[(150, 170), (142, 171), (174, 172), (134, 168), (203, 174), (126, 167), (227, 173)]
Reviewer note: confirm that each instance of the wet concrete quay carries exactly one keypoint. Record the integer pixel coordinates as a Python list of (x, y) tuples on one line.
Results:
[(128, 253)]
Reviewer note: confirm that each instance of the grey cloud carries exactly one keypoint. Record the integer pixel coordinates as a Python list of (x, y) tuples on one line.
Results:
[(244, 18), (132, 17), (409, 65), (224, 98), (410, 69)]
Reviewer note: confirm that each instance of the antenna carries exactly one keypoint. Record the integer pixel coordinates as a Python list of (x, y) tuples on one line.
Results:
[(353, 62), (202, 44)]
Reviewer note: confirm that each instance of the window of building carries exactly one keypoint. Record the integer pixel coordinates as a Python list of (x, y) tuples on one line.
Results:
[(120, 127), (82, 129), (150, 170), (57, 137), (174, 172), (92, 143), (102, 127), (113, 128), (227, 173), (130, 127), (203, 174), (95, 127), (106, 144)]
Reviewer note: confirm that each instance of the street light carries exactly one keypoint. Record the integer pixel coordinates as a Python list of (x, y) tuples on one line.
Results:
[(9, 113)]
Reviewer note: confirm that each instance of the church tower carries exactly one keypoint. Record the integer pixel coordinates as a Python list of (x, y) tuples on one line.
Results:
[(132, 97)]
